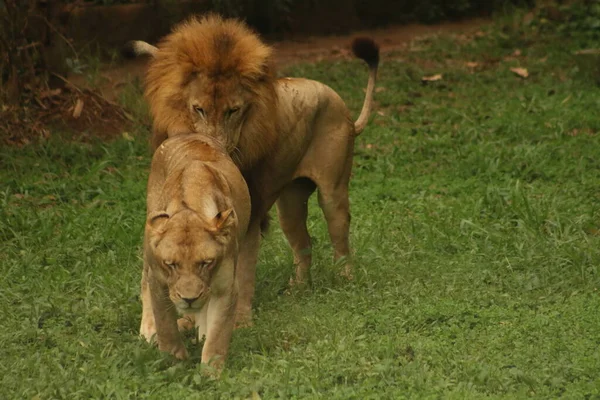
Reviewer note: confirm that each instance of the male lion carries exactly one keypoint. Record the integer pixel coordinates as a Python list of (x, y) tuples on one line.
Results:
[(198, 212), (288, 136)]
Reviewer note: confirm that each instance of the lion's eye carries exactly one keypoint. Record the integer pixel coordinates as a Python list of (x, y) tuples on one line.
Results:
[(170, 264), (232, 111), (199, 110), (206, 263)]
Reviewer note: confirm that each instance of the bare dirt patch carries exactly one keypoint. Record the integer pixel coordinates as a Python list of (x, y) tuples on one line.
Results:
[(81, 114), (390, 39), (302, 49)]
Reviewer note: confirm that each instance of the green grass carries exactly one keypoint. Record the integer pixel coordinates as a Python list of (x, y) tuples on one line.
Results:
[(475, 228)]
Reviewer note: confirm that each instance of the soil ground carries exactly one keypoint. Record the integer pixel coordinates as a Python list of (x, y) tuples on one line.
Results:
[(306, 49)]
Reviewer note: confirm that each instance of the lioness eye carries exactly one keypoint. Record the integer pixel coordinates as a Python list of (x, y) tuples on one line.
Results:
[(206, 263), (170, 264), (199, 110)]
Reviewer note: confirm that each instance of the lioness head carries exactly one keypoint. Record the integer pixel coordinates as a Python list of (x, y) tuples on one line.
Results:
[(214, 76), (188, 251)]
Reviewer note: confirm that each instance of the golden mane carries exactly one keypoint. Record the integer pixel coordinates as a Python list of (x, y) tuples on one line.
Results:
[(219, 49)]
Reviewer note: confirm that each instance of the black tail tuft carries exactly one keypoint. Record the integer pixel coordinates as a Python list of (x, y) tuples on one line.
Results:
[(129, 50), (366, 49)]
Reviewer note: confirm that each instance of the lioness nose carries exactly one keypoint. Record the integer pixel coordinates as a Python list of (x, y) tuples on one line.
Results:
[(190, 300)]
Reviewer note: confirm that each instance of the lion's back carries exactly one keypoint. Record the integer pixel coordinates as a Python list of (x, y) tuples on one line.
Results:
[(305, 104)]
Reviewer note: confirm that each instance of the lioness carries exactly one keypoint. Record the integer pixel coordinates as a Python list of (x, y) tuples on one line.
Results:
[(289, 136), (198, 209)]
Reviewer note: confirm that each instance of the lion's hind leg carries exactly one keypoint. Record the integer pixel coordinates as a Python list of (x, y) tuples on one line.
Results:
[(336, 208), (292, 208)]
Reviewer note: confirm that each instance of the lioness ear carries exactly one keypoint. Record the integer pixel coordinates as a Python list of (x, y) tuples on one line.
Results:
[(223, 221), (156, 219)]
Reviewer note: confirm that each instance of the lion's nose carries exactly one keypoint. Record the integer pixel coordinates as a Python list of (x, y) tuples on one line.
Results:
[(190, 300)]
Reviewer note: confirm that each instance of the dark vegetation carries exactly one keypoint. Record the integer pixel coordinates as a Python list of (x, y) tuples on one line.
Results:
[(33, 46)]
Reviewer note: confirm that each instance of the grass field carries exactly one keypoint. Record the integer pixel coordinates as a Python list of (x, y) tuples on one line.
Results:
[(475, 203)]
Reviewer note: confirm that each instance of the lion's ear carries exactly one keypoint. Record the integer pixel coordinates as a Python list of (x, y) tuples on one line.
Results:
[(224, 221), (266, 72), (157, 219)]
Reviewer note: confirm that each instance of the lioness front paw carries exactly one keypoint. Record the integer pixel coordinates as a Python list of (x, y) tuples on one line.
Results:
[(148, 330), (212, 368), (186, 323), (178, 350)]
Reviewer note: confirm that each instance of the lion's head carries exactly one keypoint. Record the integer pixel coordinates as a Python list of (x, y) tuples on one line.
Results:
[(215, 76), (189, 250)]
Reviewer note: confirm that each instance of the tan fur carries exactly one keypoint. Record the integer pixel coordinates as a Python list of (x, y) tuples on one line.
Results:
[(225, 53), (293, 136), (197, 215)]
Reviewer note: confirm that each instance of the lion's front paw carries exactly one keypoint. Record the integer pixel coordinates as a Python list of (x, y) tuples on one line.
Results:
[(298, 285), (243, 319), (346, 272)]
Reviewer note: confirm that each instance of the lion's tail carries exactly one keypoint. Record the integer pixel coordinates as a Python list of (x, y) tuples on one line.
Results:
[(136, 48), (366, 49)]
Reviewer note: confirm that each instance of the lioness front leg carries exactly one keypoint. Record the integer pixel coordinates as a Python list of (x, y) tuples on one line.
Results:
[(148, 325), (246, 274), (165, 317), (220, 319)]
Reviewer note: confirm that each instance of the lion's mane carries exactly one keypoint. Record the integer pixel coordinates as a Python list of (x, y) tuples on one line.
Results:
[(218, 48)]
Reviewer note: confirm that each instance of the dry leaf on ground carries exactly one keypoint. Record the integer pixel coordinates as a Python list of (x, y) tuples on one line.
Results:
[(432, 78), (127, 136), (472, 64), (50, 93), (522, 72), (78, 108)]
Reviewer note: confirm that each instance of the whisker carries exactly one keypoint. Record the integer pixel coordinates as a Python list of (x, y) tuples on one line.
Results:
[(236, 155)]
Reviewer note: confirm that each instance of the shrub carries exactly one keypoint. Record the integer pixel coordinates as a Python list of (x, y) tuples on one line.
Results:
[(271, 15), (580, 20)]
